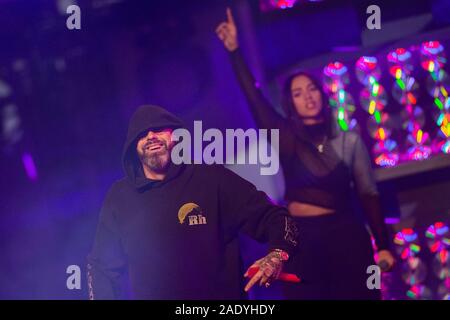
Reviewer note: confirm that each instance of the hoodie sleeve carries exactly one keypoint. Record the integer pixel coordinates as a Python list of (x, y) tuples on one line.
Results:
[(246, 209), (106, 267)]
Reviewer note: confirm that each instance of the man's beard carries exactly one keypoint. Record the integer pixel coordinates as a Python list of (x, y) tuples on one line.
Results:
[(156, 161)]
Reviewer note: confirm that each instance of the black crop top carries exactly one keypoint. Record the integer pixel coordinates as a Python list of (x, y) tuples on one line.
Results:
[(312, 177), (320, 178)]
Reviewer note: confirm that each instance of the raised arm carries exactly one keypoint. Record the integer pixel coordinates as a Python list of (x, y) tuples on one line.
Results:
[(265, 115)]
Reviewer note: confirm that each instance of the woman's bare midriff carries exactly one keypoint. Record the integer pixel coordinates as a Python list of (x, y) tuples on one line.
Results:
[(299, 209)]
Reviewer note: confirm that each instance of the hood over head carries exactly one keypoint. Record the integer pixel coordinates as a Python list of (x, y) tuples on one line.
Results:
[(145, 118)]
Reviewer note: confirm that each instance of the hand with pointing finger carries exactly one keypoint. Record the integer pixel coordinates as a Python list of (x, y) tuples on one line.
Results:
[(270, 268), (227, 32)]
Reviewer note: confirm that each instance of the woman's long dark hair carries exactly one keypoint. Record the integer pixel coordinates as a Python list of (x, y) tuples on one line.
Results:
[(291, 111)]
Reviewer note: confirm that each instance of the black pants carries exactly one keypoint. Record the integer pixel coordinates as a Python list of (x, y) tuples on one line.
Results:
[(333, 255)]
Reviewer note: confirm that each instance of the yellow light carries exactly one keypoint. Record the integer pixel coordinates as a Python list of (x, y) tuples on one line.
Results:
[(398, 73), (445, 127), (446, 130), (419, 136), (381, 134), (372, 106), (431, 66)]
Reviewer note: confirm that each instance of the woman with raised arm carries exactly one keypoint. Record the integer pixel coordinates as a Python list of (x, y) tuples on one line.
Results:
[(322, 168)]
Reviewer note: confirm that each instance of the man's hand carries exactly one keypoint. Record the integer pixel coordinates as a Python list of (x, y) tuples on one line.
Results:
[(227, 32), (270, 268), (385, 255)]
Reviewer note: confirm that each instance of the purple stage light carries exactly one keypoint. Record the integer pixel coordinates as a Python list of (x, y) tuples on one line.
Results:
[(30, 167)]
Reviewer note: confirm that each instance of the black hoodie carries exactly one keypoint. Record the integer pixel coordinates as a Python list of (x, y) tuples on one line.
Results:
[(177, 238)]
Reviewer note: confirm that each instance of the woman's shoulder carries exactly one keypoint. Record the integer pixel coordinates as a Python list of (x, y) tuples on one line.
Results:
[(348, 140)]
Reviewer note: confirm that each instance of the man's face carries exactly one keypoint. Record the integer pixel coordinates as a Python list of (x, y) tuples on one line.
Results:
[(154, 147)]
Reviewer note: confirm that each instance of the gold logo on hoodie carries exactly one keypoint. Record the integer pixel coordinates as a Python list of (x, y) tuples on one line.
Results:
[(195, 214)]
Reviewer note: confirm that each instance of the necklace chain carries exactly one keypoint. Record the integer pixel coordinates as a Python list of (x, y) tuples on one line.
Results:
[(320, 146)]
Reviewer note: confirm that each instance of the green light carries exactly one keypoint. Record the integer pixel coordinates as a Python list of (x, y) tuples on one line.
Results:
[(343, 125), (341, 114), (375, 89), (410, 294), (377, 116), (438, 103), (435, 76), (401, 84)]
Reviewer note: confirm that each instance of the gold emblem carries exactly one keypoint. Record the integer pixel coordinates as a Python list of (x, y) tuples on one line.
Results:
[(194, 214), (185, 210)]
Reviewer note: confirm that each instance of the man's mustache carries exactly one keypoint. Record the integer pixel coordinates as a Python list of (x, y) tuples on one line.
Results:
[(155, 142)]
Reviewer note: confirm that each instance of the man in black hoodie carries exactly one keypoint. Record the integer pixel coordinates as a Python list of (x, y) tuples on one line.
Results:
[(172, 230)]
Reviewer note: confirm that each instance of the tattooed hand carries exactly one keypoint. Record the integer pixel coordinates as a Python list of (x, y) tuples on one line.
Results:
[(270, 268)]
